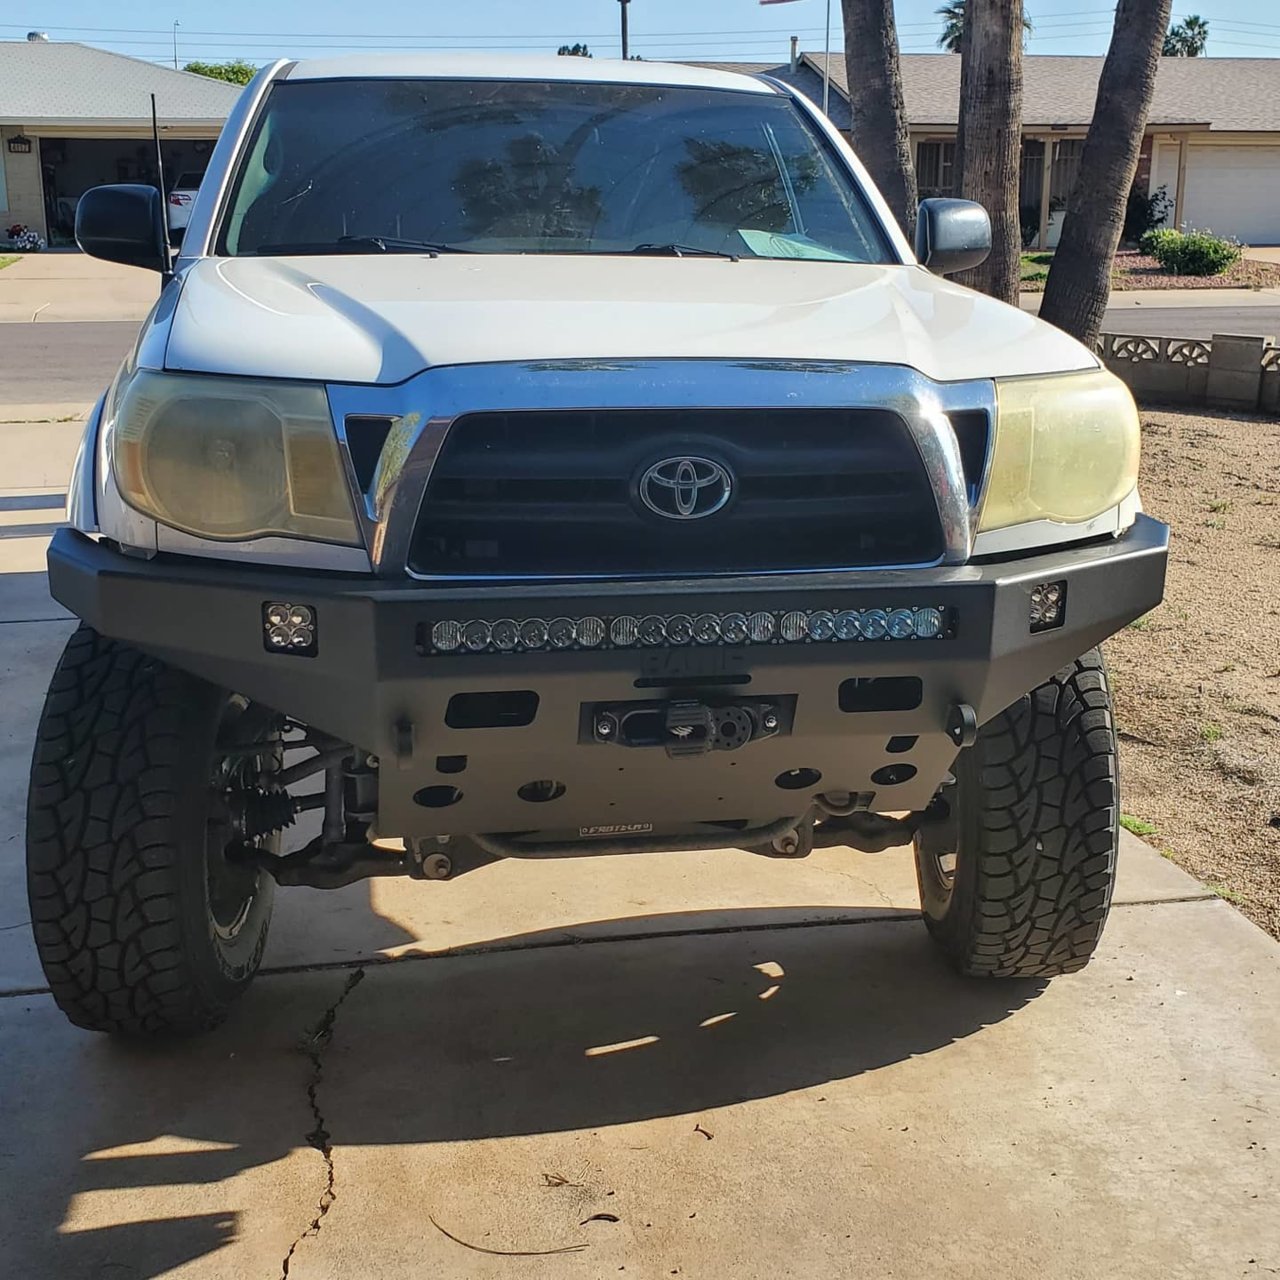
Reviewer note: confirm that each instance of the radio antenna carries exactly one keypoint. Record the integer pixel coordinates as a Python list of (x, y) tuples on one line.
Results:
[(165, 260)]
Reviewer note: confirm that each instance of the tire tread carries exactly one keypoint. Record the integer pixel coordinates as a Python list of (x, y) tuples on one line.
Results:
[(1046, 834), (103, 844)]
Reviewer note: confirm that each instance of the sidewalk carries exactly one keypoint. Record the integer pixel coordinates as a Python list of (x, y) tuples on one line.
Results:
[(49, 287), (1176, 299)]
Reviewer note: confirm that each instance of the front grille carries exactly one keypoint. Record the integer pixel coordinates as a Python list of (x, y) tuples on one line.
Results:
[(556, 494)]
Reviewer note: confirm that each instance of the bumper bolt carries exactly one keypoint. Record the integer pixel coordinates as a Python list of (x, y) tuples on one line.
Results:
[(436, 866), (605, 726), (770, 721)]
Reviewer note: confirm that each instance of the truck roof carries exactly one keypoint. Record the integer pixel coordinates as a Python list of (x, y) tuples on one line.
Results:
[(509, 66)]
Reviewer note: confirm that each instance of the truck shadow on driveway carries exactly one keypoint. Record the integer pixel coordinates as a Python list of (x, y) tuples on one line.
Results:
[(143, 1158)]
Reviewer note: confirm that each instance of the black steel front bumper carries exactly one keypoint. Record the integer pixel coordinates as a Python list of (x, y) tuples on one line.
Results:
[(371, 683)]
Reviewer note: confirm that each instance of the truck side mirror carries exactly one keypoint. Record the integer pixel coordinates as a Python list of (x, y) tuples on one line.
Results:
[(952, 235), (123, 223)]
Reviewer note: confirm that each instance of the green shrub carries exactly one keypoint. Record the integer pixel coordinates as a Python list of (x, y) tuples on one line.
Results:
[(1195, 253), (1150, 241), (1201, 254)]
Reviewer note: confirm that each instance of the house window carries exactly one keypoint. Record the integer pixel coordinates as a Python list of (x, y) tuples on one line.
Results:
[(936, 169), (1031, 190), (1030, 171), (1066, 166)]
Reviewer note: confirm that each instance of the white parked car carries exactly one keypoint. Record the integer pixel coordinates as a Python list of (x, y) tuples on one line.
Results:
[(182, 196), (561, 457)]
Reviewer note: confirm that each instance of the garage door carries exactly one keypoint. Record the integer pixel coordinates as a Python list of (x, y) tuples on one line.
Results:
[(1234, 191)]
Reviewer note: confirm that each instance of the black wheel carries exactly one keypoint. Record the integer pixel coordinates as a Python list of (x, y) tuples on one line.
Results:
[(1018, 883), (140, 785)]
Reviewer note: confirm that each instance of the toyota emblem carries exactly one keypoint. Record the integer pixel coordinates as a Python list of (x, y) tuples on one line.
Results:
[(685, 488)]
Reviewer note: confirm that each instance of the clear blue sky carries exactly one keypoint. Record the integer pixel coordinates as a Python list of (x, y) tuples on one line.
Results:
[(742, 29)]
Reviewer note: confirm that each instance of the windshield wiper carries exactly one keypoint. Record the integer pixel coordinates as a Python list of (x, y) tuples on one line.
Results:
[(681, 251), (358, 244), (392, 244)]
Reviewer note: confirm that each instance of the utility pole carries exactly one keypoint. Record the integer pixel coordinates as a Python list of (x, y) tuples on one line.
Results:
[(175, 44), (625, 47), (826, 69)]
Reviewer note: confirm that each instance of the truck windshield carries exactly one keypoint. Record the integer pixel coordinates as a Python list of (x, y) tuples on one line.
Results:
[(479, 166)]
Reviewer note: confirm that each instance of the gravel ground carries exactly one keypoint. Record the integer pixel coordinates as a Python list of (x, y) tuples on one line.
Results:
[(1133, 270), (1197, 681)]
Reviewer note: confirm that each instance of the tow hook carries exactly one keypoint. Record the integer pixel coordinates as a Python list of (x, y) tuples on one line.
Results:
[(687, 727)]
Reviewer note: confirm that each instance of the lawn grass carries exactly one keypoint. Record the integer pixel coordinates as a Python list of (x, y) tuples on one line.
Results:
[(6, 259), (1035, 267), (1138, 826)]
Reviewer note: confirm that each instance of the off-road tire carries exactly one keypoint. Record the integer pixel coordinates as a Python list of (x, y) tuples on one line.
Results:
[(117, 844), (1034, 834)]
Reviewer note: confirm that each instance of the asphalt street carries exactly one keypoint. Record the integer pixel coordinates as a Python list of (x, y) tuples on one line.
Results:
[(1192, 322), (61, 363)]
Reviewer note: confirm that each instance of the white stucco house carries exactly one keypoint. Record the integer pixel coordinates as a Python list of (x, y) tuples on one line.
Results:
[(72, 117)]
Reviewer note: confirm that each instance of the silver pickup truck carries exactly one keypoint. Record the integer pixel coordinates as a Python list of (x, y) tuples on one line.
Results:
[(539, 458)]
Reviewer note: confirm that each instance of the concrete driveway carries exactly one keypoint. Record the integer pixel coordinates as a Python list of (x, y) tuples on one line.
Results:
[(70, 286), (710, 1065)]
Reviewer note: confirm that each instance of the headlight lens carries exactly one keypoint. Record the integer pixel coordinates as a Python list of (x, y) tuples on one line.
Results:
[(1066, 449), (231, 458)]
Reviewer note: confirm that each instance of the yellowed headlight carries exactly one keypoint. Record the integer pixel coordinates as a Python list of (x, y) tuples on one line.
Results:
[(231, 458), (1066, 449)]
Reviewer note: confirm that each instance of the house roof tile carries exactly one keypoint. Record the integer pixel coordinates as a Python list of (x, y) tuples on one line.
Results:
[(56, 80), (1227, 94)]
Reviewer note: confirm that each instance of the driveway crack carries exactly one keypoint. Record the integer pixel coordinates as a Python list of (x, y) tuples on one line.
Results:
[(317, 1041)]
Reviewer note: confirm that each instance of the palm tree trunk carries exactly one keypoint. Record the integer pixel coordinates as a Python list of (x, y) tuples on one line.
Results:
[(1075, 296), (875, 101), (989, 145)]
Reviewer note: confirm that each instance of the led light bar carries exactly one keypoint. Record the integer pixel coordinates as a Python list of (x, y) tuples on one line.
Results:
[(652, 630), (289, 628)]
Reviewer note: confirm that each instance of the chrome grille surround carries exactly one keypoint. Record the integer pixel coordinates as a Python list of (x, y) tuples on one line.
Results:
[(425, 407)]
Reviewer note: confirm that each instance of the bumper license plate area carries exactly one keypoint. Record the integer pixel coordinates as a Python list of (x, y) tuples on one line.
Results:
[(687, 726)]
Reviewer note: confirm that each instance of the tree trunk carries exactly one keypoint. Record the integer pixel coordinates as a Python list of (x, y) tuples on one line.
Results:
[(989, 145), (1075, 296), (875, 102)]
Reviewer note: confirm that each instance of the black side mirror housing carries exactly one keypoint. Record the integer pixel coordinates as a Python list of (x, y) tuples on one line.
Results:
[(123, 223), (952, 235)]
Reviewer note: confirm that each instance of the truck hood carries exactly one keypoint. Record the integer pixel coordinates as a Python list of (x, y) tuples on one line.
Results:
[(384, 319)]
